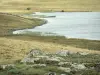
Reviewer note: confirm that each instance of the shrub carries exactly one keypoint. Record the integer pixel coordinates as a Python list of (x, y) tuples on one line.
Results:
[(33, 71), (28, 8), (14, 71), (90, 72)]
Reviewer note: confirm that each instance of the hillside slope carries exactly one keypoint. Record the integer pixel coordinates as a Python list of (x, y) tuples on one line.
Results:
[(9, 22), (49, 5)]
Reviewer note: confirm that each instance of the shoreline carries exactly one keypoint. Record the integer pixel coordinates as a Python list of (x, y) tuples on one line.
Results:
[(26, 23), (15, 47), (21, 31)]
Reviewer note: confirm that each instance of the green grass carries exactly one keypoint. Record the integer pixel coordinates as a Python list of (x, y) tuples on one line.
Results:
[(78, 43), (76, 58), (26, 70)]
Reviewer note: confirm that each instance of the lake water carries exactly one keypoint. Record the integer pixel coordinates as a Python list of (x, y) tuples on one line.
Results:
[(70, 24)]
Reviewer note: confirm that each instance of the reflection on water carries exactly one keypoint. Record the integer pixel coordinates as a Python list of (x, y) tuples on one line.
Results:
[(72, 24)]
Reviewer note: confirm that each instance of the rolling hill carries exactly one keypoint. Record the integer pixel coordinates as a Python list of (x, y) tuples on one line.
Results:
[(49, 5)]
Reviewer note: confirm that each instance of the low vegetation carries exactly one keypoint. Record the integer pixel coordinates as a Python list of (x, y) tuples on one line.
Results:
[(10, 22), (73, 64), (77, 43)]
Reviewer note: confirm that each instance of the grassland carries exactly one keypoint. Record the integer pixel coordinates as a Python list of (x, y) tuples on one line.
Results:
[(48, 5), (9, 22), (14, 49)]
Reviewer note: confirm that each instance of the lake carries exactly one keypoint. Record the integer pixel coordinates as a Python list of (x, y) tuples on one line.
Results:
[(85, 25)]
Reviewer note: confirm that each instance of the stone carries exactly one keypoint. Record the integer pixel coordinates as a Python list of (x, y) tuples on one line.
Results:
[(64, 63), (64, 52), (5, 66), (83, 53), (43, 57), (29, 60), (65, 69), (39, 65), (78, 66), (63, 74), (35, 52), (53, 59), (52, 73), (59, 58)]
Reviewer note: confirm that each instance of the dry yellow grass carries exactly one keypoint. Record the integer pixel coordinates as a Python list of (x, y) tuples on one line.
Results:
[(9, 22), (12, 49), (48, 5)]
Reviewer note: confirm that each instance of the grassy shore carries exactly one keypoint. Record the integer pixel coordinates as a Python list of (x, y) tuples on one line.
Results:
[(15, 47), (9, 22), (50, 5), (77, 43)]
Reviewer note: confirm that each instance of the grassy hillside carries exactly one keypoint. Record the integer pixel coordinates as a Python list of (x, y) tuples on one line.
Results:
[(49, 5), (14, 49), (10, 22)]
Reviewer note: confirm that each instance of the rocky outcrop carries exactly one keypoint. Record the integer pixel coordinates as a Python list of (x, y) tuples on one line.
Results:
[(64, 52), (65, 69), (59, 60), (78, 66), (83, 53), (6, 66)]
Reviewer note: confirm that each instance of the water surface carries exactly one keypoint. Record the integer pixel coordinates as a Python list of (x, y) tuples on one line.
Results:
[(71, 24)]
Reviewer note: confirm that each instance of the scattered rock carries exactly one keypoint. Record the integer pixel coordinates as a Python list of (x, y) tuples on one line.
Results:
[(53, 59), (52, 73), (64, 69), (63, 74), (6, 66), (83, 53), (59, 58), (64, 63), (38, 65), (34, 52), (27, 60), (30, 57), (78, 66), (42, 57), (64, 52)]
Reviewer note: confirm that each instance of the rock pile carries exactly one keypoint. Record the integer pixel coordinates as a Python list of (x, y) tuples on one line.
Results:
[(42, 59)]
